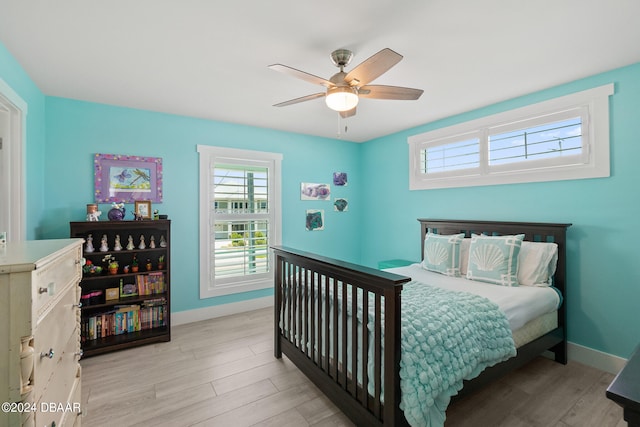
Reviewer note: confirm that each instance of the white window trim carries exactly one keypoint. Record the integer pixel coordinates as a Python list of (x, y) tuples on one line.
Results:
[(208, 156), (596, 131)]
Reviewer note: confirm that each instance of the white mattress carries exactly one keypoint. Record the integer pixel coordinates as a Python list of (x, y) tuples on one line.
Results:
[(520, 304)]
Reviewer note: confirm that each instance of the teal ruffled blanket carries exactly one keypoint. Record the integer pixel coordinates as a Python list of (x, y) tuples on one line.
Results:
[(447, 337)]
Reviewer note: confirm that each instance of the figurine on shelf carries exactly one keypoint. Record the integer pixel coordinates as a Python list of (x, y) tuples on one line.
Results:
[(156, 214), (149, 265), (93, 214), (117, 246), (112, 263), (103, 244), (152, 242), (163, 242), (90, 268), (89, 247), (130, 246), (142, 245), (134, 264)]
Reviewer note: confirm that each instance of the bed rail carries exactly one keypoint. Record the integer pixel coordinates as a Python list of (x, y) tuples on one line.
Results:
[(317, 301)]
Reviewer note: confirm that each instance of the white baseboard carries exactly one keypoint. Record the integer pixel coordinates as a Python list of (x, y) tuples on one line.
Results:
[(595, 358), (190, 316)]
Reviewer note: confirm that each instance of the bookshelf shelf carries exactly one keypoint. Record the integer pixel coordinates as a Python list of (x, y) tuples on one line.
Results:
[(120, 342), (124, 321), (119, 275)]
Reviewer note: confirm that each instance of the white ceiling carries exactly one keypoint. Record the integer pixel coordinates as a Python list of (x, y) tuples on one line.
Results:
[(209, 58)]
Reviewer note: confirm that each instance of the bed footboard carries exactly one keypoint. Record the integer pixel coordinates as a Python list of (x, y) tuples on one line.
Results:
[(328, 323)]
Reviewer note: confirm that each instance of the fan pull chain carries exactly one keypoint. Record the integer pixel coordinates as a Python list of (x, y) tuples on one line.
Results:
[(339, 134)]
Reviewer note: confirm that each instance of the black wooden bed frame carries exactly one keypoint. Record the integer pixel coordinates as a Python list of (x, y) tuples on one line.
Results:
[(303, 277)]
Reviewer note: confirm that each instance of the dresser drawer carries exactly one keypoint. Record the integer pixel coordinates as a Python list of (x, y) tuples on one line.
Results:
[(53, 278), (74, 418), (61, 395), (52, 336)]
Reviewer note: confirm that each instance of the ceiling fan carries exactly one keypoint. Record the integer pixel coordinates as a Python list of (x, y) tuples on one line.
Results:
[(345, 89)]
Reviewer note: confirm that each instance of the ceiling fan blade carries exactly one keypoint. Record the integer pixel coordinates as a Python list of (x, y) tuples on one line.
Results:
[(301, 75), (373, 67), (301, 99), (389, 92), (348, 113)]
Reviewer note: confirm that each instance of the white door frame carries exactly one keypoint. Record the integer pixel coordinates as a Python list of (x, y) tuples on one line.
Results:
[(12, 169)]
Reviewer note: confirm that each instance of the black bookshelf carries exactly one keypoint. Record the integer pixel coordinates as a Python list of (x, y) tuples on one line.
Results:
[(154, 308)]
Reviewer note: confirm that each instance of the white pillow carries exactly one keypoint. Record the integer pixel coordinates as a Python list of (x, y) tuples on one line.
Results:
[(464, 256), (537, 263)]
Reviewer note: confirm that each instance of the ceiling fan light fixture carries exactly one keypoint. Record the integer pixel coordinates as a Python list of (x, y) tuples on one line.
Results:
[(342, 98)]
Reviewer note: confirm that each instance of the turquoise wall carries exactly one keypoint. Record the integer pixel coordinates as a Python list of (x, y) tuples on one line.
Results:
[(77, 130), (16, 78), (603, 283), (604, 286)]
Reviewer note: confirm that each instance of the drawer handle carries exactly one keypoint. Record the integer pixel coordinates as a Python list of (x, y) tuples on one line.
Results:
[(49, 289), (48, 354)]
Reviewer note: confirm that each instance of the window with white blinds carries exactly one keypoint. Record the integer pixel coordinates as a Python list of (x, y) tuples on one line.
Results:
[(240, 216), (241, 227), (563, 138)]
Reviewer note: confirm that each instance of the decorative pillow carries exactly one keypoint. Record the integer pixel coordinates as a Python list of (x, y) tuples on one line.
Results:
[(494, 259), (537, 263), (442, 253)]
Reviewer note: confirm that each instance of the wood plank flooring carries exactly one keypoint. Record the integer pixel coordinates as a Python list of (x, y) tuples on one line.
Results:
[(222, 372)]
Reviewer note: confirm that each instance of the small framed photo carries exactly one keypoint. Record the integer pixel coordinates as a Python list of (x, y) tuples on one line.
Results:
[(142, 209), (112, 294)]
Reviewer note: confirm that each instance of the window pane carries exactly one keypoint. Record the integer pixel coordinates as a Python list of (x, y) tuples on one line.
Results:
[(240, 248), (240, 244), (453, 156), (240, 189), (540, 142)]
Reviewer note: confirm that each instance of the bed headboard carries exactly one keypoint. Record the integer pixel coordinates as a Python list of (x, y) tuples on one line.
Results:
[(533, 231)]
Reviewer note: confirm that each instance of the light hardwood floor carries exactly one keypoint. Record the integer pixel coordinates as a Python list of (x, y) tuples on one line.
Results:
[(222, 372)]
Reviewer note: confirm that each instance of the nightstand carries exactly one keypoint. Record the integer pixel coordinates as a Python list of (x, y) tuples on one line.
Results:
[(392, 263)]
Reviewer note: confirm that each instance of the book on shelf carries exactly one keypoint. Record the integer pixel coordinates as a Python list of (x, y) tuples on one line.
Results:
[(124, 319), (151, 283)]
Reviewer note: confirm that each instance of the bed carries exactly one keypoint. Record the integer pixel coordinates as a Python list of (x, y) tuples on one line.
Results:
[(342, 324)]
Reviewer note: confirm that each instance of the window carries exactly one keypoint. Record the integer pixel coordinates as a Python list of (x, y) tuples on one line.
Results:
[(239, 219), (563, 138)]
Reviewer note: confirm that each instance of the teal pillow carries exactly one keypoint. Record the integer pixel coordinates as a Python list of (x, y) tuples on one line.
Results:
[(494, 259), (442, 253)]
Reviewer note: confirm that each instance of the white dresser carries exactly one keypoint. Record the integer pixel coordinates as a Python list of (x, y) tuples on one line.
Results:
[(40, 333)]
